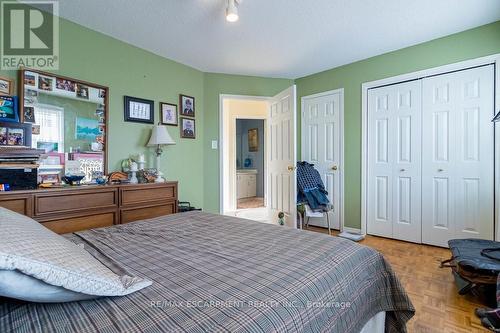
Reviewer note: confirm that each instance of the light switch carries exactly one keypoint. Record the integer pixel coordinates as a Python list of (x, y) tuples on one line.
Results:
[(215, 144)]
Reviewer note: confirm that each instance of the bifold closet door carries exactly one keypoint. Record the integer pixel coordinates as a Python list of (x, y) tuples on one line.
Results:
[(458, 156), (394, 161)]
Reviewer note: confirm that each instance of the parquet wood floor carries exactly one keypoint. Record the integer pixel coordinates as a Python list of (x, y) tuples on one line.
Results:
[(439, 307)]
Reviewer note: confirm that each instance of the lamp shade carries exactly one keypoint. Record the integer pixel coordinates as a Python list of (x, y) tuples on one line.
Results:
[(160, 136)]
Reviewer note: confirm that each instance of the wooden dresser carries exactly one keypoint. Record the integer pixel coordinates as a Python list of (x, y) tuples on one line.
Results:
[(71, 209)]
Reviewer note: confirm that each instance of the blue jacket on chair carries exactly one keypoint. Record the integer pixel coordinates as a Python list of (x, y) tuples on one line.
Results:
[(310, 187)]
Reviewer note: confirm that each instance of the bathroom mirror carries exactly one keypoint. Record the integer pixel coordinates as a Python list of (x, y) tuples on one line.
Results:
[(69, 121)]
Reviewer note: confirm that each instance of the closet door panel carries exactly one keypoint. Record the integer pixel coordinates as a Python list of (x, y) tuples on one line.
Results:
[(407, 168), (458, 164), (475, 153), (381, 155), (438, 160), (395, 161)]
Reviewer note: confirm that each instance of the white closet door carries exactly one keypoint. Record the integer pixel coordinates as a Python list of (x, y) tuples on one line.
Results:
[(408, 163), (394, 161), (458, 158), (321, 147)]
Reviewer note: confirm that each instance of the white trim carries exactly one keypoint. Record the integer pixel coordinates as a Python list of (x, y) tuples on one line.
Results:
[(341, 135), (492, 59), (222, 97), (352, 230)]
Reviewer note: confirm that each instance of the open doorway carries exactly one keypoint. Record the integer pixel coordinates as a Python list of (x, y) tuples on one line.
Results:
[(244, 157), (267, 124), (250, 163)]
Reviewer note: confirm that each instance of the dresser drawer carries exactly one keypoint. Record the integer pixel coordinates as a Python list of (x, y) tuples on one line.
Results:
[(147, 212), (135, 195), (79, 223), (80, 200), (18, 203)]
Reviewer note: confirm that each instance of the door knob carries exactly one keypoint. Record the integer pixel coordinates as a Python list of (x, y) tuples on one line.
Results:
[(334, 168), (440, 170), (402, 170), (291, 168)]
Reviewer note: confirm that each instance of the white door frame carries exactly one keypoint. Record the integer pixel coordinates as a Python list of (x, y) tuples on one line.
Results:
[(341, 135), (492, 59), (222, 170)]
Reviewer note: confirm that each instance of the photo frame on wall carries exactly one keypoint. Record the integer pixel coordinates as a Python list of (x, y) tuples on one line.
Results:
[(188, 128), (6, 86), (9, 109), (15, 134), (168, 114), (187, 106), (253, 140), (139, 110)]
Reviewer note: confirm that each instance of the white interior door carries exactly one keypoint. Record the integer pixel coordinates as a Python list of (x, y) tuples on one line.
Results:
[(394, 161), (458, 162), (282, 180), (321, 137)]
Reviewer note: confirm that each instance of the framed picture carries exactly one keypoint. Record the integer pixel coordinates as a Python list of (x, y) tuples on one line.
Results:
[(65, 85), (45, 83), (29, 79), (30, 93), (29, 114), (168, 114), (8, 109), (87, 129), (15, 134), (82, 91), (253, 140), (35, 130), (139, 110), (187, 105), (6, 86), (188, 130), (49, 147)]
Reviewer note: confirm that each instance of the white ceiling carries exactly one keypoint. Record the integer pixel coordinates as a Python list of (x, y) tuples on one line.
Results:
[(277, 38)]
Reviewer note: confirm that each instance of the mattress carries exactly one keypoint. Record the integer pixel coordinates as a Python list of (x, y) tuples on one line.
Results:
[(219, 273)]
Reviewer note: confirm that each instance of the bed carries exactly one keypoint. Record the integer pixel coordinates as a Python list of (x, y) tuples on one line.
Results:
[(219, 273)]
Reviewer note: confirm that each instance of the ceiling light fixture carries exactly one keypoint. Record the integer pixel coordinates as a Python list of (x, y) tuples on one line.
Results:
[(232, 11)]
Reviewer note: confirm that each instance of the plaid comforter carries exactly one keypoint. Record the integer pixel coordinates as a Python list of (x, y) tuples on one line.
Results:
[(215, 273)]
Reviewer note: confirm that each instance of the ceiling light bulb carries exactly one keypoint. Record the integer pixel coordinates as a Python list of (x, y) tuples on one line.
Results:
[(231, 11)]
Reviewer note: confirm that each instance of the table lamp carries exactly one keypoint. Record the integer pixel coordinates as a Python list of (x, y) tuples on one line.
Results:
[(159, 138)]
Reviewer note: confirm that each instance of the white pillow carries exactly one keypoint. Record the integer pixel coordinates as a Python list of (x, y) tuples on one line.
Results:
[(32, 249), (15, 284)]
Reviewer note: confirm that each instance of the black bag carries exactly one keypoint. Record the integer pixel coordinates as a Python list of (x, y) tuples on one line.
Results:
[(475, 264), (490, 253)]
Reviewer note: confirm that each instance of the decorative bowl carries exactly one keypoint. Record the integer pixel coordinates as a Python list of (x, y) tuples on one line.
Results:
[(73, 179)]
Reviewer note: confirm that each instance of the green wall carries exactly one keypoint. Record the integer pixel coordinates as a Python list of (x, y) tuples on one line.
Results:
[(216, 84), (128, 70), (470, 44)]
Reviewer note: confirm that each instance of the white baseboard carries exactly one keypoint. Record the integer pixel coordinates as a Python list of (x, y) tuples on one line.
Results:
[(352, 230)]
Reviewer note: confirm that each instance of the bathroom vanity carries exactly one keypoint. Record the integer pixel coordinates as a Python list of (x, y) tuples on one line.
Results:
[(246, 183)]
